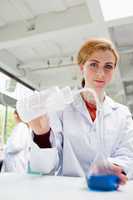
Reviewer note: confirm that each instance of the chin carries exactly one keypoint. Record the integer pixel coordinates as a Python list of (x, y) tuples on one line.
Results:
[(99, 89)]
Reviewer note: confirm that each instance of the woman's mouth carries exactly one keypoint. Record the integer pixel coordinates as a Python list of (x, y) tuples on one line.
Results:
[(99, 82)]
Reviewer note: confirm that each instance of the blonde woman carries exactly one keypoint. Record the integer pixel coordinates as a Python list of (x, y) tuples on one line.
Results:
[(71, 134)]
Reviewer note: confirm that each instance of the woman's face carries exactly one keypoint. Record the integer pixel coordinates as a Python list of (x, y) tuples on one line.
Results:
[(98, 69)]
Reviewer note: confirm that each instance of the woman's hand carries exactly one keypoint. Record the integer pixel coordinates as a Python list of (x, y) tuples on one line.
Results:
[(40, 125), (117, 170)]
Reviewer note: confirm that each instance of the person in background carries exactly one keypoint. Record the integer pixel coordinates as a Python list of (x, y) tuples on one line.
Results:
[(1, 152), (16, 153), (71, 133)]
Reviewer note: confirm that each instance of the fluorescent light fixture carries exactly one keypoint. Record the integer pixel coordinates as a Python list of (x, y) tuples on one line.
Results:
[(115, 9)]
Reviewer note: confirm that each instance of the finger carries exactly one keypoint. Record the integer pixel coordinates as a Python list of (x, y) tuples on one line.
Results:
[(123, 179), (116, 169)]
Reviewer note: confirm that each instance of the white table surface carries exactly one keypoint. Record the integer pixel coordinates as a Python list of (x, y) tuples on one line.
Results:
[(35, 187)]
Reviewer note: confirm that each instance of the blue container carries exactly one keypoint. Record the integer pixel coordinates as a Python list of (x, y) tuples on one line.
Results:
[(108, 182)]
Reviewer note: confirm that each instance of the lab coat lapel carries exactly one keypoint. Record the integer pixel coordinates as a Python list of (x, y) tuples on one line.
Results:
[(109, 106), (79, 104)]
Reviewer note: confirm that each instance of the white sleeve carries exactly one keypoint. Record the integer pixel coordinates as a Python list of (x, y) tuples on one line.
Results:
[(123, 155), (48, 160), (18, 139), (43, 160)]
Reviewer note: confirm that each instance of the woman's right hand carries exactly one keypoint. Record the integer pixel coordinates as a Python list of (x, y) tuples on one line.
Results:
[(40, 125)]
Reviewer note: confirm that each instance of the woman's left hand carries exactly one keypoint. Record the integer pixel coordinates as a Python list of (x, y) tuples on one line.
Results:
[(117, 170)]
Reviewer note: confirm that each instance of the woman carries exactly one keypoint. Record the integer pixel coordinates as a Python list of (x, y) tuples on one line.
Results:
[(17, 147), (71, 134)]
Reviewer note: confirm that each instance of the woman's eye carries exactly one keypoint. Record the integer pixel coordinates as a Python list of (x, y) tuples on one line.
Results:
[(108, 67), (93, 64)]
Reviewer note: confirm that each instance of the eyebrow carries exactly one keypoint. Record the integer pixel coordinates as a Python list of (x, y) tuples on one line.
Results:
[(99, 61), (95, 60), (110, 63)]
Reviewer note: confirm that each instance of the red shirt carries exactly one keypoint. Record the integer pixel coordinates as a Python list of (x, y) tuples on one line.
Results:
[(92, 109)]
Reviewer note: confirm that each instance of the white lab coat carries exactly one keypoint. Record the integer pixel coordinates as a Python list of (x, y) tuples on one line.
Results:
[(17, 149), (75, 129)]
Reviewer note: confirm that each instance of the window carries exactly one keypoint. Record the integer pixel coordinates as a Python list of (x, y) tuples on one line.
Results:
[(10, 91), (12, 88), (115, 9)]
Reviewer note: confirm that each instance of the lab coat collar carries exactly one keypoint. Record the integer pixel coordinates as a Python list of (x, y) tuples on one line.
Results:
[(108, 106), (79, 104)]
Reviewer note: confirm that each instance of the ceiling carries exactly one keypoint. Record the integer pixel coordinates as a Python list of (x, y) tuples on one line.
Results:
[(39, 41)]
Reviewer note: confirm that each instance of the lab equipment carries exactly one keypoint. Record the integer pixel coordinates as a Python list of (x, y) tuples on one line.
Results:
[(106, 182), (51, 100), (100, 176)]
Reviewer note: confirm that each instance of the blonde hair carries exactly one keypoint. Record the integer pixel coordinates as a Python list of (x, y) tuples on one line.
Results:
[(94, 45)]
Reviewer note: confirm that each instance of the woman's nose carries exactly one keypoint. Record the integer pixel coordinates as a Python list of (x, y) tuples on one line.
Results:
[(100, 71)]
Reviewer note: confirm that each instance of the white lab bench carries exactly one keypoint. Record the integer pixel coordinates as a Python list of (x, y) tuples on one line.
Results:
[(35, 187)]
